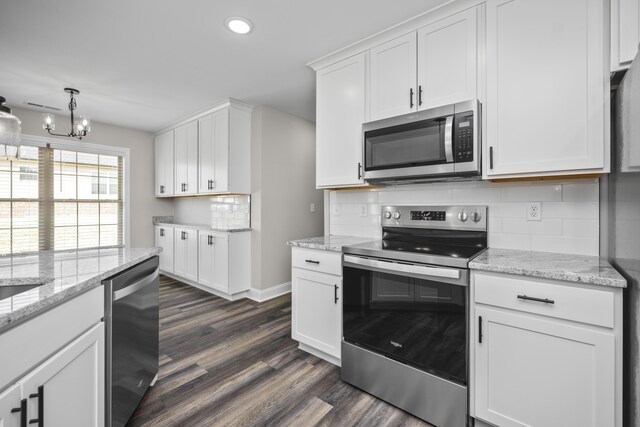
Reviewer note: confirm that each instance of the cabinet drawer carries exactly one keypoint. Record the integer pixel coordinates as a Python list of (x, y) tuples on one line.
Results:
[(583, 305), (322, 261)]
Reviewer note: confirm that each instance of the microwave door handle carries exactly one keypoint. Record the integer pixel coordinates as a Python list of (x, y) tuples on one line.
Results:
[(448, 139)]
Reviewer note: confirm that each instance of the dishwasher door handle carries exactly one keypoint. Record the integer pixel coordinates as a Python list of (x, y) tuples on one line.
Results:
[(134, 287)]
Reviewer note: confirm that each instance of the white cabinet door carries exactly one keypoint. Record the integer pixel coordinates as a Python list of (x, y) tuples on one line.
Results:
[(538, 120), (164, 164), (316, 302), (340, 112), (213, 260), (532, 371), (625, 32), (393, 68), (186, 159), (70, 384), (213, 142), (11, 407), (447, 60), (164, 239), (186, 253)]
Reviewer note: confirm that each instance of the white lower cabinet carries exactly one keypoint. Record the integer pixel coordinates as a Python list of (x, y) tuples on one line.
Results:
[(185, 261), (164, 239), (12, 407), (316, 307), (213, 260), (69, 386), (533, 364)]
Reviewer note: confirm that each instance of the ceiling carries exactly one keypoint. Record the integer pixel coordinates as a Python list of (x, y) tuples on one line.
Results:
[(145, 64)]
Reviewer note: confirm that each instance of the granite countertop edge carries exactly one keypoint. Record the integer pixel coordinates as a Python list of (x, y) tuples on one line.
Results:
[(333, 243), (591, 270), (203, 227), (10, 320)]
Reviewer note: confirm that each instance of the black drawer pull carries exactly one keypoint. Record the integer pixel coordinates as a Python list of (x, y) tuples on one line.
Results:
[(310, 261), (335, 294), (544, 300)]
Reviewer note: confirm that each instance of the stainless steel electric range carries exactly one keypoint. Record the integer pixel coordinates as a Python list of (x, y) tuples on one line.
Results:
[(405, 309)]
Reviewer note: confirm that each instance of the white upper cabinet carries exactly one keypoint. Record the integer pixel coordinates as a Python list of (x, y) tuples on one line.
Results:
[(340, 112), (164, 164), (447, 60), (625, 32), (434, 66), (186, 158), (213, 140), (224, 158), (393, 68), (547, 88)]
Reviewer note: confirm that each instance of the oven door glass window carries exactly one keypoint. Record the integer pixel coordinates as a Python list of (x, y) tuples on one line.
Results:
[(415, 144), (418, 322)]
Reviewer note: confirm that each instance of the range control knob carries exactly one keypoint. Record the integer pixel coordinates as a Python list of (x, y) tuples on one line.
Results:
[(396, 215), (387, 215), (475, 216), (462, 216)]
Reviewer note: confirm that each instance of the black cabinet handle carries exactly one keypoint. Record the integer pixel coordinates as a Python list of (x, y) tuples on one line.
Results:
[(40, 396), (411, 97), (480, 329), (420, 95), (335, 294), (161, 189), (490, 157), (23, 412), (162, 232), (310, 261), (359, 170), (210, 240), (544, 300)]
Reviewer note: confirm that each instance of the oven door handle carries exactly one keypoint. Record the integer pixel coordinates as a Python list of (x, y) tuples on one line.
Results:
[(423, 270), (448, 139)]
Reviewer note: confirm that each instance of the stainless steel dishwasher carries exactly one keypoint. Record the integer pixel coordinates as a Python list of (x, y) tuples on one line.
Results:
[(132, 337)]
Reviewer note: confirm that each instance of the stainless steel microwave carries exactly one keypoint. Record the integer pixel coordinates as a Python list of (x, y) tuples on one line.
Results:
[(436, 144)]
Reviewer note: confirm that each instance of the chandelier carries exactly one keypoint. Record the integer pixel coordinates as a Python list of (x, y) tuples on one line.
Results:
[(79, 127), (9, 132)]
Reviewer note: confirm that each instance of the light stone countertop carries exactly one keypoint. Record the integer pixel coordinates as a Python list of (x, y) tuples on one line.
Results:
[(61, 275), (592, 270), (202, 227), (329, 243)]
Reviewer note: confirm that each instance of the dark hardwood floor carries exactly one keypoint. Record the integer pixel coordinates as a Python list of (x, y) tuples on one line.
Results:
[(234, 364)]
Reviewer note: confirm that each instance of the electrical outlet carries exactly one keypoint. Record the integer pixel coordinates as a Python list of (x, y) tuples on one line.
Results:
[(534, 211), (312, 207), (363, 210)]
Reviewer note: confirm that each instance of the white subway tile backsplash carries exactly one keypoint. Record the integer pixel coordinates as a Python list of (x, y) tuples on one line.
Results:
[(583, 192), (537, 193), (581, 228), (570, 211), (572, 245), (222, 212), (550, 227)]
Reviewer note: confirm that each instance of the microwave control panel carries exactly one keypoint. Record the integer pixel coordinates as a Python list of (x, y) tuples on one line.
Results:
[(463, 139)]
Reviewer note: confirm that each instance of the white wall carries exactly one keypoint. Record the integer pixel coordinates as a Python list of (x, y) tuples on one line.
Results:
[(143, 203), (570, 211), (283, 186)]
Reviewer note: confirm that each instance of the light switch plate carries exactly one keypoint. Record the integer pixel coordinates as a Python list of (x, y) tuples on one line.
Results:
[(534, 211), (312, 207)]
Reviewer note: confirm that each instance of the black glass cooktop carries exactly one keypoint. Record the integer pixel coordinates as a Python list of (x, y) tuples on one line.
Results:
[(429, 246)]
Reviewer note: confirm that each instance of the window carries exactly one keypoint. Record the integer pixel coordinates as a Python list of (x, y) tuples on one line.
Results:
[(60, 199)]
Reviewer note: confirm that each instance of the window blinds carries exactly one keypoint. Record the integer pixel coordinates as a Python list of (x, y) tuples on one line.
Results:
[(60, 199)]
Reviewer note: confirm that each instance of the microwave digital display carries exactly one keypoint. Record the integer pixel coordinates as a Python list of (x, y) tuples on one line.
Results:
[(464, 125)]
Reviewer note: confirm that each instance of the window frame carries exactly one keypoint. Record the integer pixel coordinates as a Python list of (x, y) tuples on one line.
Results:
[(88, 147)]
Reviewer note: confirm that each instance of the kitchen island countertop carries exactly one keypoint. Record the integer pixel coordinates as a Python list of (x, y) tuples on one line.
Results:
[(60, 275)]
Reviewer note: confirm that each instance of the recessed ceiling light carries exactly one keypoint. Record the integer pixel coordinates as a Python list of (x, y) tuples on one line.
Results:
[(239, 25)]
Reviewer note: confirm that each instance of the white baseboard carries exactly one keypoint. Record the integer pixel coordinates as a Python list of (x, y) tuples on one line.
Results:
[(261, 295), (215, 292)]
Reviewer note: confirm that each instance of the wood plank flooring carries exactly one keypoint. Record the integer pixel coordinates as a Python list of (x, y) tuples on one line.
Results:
[(226, 363)]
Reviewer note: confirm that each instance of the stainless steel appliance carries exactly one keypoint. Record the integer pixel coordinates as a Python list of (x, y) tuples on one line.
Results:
[(132, 337), (435, 144), (620, 225), (405, 309)]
